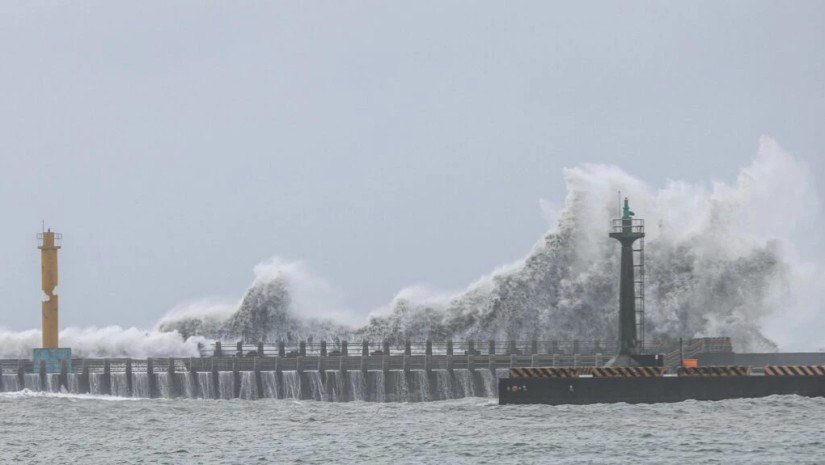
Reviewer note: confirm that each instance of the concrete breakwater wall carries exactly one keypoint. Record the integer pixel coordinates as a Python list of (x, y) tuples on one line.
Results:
[(333, 379)]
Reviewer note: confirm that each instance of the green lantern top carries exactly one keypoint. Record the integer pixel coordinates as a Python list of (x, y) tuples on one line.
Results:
[(626, 212)]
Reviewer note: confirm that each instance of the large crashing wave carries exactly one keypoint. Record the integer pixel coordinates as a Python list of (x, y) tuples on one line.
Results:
[(716, 266), (720, 261)]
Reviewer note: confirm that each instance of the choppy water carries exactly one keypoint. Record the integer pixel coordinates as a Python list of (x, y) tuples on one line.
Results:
[(40, 427)]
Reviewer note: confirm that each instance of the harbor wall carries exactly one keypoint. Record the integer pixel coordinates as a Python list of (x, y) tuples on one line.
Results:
[(329, 378)]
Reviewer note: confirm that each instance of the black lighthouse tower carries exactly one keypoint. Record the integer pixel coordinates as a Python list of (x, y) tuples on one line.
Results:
[(627, 231)]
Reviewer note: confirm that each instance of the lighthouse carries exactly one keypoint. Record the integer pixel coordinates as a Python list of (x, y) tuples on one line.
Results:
[(628, 230), (53, 358)]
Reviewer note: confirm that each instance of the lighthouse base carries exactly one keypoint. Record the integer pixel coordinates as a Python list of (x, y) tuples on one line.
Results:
[(53, 358)]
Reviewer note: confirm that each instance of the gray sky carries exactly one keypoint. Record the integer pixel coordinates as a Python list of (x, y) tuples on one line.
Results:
[(177, 144)]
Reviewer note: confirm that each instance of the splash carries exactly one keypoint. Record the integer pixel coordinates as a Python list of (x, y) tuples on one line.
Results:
[(723, 259), (111, 341), (720, 261)]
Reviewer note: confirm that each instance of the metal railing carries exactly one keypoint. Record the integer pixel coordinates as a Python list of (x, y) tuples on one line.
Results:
[(627, 225), (379, 348)]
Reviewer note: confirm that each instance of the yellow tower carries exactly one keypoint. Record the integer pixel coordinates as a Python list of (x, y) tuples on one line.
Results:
[(49, 244)]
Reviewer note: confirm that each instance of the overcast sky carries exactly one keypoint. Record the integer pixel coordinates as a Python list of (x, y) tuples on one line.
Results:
[(177, 144)]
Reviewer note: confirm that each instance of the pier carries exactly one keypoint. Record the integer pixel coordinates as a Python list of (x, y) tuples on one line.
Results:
[(334, 372)]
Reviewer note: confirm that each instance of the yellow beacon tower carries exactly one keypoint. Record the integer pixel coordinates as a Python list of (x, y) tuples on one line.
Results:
[(49, 244), (52, 358)]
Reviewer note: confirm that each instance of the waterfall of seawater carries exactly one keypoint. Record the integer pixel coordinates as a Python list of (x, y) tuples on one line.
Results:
[(269, 382), (120, 385), (52, 382), (399, 388), (166, 388), (465, 383), (249, 390), (185, 382), (31, 381), (316, 385), (226, 385), (96, 383), (335, 386), (140, 384), (205, 385), (422, 385), (292, 385), (378, 390), (74, 383), (357, 385), (488, 382), (10, 383), (444, 384)]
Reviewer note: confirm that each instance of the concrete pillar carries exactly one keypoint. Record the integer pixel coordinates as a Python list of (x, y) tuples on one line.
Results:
[(174, 389), (407, 348), (83, 387), (428, 351), (150, 377), (344, 348), (471, 347), (216, 384), (386, 348), (239, 349), (193, 378), (106, 382), (386, 369), (491, 348), (260, 349), (281, 349), (63, 378), (279, 379), (2, 387), (236, 379), (555, 359), (534, 347), (365, 349), (21, 374), (323, 348), (129, 377), (302, 348), (575, 347), (218, 352), (427, 366), (43, 380), (511, 347), (449, 347), (322, 370), (256, 370), (533, 360), (342, 372)]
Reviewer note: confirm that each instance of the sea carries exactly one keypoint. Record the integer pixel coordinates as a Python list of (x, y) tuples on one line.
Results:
[(61, 428)]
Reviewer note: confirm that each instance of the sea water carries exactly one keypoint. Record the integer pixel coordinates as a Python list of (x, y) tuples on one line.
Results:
[(45, 428)]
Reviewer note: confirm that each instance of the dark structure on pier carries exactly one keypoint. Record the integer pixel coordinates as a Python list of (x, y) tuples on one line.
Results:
[(627, 231)]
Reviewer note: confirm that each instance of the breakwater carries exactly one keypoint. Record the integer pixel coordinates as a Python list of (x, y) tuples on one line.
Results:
[(392, 378)]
